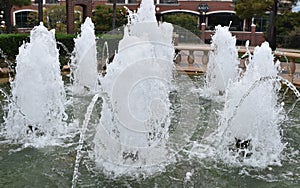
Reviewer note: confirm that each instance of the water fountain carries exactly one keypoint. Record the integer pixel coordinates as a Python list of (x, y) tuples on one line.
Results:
[(36, 110), (84, 61), (133, 129), (252, 114), (223, 61), (150, 121)]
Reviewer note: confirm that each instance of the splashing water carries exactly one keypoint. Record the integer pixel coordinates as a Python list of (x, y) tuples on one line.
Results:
[(223, 61), (4, 56), (82, 138), (252, 115), (84, 63), (104, 59), (36, 111), (133, 131)]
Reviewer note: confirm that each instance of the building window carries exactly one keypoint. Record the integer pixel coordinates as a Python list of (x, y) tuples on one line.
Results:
[(122, 1), (51, 1), (46, 1), (261, 23), (21, 19), (224, 19), (117, 1), (168, 1), (165, 2)]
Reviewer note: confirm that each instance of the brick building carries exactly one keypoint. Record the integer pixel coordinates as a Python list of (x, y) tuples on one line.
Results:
[(210, 12), (216, 12)]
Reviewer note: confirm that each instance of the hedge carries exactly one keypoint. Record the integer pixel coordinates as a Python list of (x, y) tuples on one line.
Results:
[(10, 43), (288, 41), (67, 48)]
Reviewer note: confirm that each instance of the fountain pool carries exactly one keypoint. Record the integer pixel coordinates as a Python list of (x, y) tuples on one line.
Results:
[(53, 166), (101, 146)]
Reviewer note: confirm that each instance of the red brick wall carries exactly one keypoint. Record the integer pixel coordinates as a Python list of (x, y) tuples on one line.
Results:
[(257, 38), (193, 5)]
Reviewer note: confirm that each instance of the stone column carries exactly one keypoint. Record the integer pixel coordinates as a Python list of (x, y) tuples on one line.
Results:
[(70, 16), (205, 57), (191, 57), (87, 6), (291, 68)]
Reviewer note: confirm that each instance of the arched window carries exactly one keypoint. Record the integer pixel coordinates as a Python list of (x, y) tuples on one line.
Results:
[(21, 19)]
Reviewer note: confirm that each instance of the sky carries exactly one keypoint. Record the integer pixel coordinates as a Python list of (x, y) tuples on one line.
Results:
[(297, 7)]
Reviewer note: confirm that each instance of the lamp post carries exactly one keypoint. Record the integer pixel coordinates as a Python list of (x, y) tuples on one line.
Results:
[(271, 34), (114, 14), (40, 10), (203, 9)]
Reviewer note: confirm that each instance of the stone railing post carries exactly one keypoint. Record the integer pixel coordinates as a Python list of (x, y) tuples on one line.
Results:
[(291, 68), (203, 26), (191, 57), (253, 35)]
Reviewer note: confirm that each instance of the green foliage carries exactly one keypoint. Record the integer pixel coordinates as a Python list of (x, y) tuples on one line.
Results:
[(288, 23), (286, 41), (20, 2), (7, 5), (288, 30), (54, 17), (111, 36), (103, 16), (17, 2), (68, 41), (255, 8), (252, 8), (10, 44), (32, 19), (187, 21)]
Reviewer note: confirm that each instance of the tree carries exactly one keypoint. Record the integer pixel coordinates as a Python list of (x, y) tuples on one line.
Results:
[(7, 5), (256, 8), (55, 17), (187, 21), (251, 8), (103, 18), (287, 23), (114, 14), (288, 29)]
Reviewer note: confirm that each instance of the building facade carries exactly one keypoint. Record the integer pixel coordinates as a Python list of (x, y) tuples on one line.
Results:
[(211, 12)]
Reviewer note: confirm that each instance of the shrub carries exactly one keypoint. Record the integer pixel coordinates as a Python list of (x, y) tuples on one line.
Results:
[(10, 43)]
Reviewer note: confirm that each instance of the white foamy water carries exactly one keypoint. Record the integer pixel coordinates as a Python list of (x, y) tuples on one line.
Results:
[(133, 131), (223, 61), (36, 110), (84, 61), (251, 112)]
